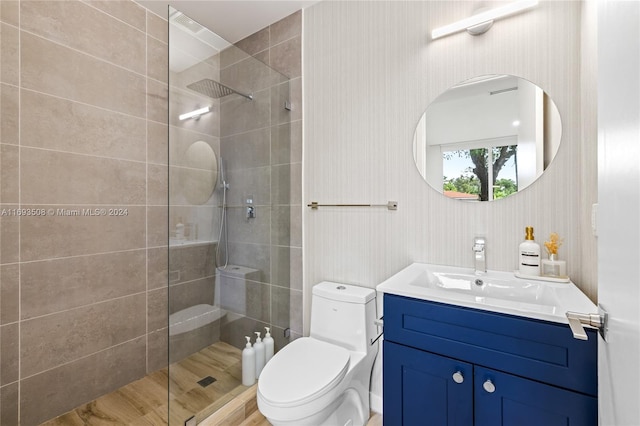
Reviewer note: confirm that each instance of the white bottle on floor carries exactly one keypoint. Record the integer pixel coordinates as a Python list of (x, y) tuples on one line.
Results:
[(268, 346), (248, 364), (259, 348)]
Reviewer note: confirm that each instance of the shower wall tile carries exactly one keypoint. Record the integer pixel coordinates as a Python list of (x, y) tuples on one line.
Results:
[(58, 236), (157, 143), (9, 235), (9, 356), (61, 389), (286, 143), (157, 315), (157, 27), (286, 57), (127, 11), (99, 35), (286, 28), (57, 70), (286, 223), (9, 56), (286, 266), (9, 173), (62, 178), (59, 124), (208, 69), (157, 350), (256, 42), (157, 184), (9, 293), (234, 113), (286, 92), (281, 306), (246, 297), (70, 335), (9, 114), (157, 219), (57, 285), (249, 183), (231, 55), (246, 150), (157, 267), (10, 11), (286, 184), (9, 398), (256, 230), (248, 76), (157, 59), (191, 293), (255, 256), (192, 262), (157, 101)]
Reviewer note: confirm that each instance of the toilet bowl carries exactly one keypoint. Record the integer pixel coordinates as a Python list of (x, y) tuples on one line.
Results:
[(324, 379)]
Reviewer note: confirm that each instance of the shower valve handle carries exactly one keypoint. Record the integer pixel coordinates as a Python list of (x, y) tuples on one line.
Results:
[(251, 212)]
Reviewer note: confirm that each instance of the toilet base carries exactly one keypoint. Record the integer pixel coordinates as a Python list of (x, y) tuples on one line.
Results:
[(347, 410)]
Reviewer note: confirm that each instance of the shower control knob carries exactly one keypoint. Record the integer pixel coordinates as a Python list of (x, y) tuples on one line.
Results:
[(458, 377), (489, 386)]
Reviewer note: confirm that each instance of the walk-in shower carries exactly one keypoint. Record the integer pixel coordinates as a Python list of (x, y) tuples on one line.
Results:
[(223, 280)]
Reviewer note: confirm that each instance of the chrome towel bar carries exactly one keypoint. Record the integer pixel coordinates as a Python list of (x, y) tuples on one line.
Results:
[(391, 205)]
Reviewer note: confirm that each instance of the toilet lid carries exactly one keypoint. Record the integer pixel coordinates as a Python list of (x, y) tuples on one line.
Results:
[(303, 369)]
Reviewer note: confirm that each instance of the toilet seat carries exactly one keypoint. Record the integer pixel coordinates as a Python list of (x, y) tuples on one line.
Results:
[(322, 365)]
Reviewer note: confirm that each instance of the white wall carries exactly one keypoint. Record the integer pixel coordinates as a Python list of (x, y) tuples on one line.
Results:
[(370, 72)]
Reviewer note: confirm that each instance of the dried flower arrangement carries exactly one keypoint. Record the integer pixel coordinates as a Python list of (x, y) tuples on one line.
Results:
[(553, 244)]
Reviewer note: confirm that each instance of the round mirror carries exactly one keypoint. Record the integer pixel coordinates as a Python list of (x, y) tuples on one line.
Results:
[(200, 173), (487, 138)]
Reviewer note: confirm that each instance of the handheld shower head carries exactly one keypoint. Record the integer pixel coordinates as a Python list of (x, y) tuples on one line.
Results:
[(223, 180)]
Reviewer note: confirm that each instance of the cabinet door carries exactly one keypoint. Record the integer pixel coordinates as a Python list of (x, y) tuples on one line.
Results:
[(421, 388), (505, 400)]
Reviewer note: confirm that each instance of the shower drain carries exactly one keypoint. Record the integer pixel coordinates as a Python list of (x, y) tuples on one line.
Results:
[(206, 381)]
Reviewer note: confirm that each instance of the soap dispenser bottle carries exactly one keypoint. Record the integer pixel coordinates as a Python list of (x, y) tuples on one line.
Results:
[(259, 347), (529, 255), (248, 364), (268, 345)]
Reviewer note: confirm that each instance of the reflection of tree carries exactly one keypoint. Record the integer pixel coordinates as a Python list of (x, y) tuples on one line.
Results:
[(464, 184), (500, 155)]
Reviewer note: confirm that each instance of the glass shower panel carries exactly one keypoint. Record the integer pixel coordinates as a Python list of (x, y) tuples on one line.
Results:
[(228, 213)]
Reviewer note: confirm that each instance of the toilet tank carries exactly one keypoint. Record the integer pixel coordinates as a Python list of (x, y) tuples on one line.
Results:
[(344, 315)]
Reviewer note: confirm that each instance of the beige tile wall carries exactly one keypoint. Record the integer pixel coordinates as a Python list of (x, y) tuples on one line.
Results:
[(83, 299)]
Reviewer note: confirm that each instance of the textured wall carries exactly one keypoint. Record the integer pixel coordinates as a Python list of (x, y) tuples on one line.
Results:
[(370, 72), (84, 125)]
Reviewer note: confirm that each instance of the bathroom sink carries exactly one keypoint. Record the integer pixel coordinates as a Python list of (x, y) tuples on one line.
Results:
[(494, 291)]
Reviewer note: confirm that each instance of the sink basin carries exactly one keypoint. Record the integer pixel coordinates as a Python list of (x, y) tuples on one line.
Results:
[(494, 291)]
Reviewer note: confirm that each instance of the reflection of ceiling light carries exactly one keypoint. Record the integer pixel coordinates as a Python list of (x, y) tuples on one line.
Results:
[(481, 22), (516, 123), (195, 114)]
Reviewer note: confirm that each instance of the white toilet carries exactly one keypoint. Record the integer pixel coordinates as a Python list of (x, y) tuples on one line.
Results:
[(324, 379)]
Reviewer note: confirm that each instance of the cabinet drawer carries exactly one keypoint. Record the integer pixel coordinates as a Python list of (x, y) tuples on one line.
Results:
[(536, 349)]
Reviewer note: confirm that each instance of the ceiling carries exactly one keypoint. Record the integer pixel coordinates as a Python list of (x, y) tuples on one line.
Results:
[(232, 20)]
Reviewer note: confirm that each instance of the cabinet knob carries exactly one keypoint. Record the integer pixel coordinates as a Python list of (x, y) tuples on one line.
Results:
[(458, 377), (489, 386)]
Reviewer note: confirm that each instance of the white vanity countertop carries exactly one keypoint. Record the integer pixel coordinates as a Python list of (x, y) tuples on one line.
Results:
[(499, 292)]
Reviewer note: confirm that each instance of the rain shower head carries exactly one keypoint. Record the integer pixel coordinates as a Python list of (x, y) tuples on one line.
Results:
[(215, 90)]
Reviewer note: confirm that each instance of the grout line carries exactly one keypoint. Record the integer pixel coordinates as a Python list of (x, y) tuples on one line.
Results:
[(19, 219), (146, 176)]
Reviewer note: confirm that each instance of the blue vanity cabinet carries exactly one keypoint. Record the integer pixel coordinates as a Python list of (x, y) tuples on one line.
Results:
[(419, 388), (516, 371)]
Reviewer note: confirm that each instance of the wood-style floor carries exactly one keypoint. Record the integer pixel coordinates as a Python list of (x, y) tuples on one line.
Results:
[(145, 403)]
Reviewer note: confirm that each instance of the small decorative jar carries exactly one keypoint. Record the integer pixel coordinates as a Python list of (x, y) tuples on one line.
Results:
[(554, 268)]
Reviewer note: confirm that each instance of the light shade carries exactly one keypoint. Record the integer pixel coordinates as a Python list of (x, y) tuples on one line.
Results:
[(195, 113), (483, 17)]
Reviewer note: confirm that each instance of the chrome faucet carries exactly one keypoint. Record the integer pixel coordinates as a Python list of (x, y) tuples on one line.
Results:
[(480, 260)]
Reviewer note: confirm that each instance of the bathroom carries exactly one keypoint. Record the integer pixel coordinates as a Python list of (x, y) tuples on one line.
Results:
[(86, 118)]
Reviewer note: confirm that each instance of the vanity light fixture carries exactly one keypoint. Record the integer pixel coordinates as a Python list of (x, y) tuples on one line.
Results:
[(195, 113), (481, 22)]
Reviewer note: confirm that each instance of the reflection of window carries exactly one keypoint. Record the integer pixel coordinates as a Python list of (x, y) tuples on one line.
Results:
[(480, 173)]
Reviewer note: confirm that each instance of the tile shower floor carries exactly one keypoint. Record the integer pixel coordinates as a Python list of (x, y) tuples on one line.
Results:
[(144, 402)]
